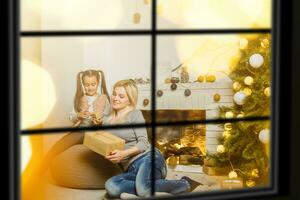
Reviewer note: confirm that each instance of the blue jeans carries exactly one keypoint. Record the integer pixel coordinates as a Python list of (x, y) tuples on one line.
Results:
[(137, 179)]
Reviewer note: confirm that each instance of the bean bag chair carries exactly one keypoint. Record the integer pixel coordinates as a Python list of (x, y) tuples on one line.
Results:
[(80, 168)]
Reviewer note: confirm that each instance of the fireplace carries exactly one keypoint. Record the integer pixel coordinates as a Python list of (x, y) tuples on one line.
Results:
[(189, 101), (179, 144)]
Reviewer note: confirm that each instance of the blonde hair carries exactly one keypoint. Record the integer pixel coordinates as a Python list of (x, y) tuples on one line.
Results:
[(131, 91), (80, 87)]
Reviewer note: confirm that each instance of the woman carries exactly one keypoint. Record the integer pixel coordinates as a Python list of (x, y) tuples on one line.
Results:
[(135, 159)]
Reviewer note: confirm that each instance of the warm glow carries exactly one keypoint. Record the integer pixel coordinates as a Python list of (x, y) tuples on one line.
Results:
[(217, 13), (37, 94), (204, 54), (78, 14), (25, 152)]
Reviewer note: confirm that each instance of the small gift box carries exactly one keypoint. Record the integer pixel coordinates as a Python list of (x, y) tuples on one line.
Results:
[(103, 142), (232, 183)]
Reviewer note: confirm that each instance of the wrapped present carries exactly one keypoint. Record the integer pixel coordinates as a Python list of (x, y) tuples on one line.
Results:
[(234, 183), (103, 142)]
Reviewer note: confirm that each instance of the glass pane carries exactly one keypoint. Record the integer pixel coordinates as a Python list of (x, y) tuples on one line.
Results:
[(213, 76), (68, 166), (210, 157), (85, 15), (69, 81), (213, 14)]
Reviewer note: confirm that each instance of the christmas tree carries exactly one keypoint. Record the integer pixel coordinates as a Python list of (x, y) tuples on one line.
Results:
[(242, 146)]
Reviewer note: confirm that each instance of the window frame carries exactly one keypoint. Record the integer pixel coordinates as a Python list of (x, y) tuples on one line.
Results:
[(14, 94)]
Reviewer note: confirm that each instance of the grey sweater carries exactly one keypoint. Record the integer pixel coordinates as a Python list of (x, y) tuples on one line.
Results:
[(134, 137)]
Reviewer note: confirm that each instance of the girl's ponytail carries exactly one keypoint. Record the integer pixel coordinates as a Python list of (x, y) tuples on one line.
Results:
[(79, 92), (103, 84)]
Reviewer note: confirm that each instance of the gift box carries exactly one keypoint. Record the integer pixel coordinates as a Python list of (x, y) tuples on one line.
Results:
[(232, 183), (103, 142)]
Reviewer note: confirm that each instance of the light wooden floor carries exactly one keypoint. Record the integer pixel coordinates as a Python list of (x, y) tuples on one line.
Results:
[(54, 192)]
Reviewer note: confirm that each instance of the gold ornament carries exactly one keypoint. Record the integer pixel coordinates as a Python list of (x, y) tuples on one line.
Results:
[(247, 91), (236, 86), (267, 91), (227, 126), (229, 114), (226, 134), (146, 2), (255, 173), (243, 43), (241, 115), (217, 97), (200, 79), (136, 18), (265, 43), (168, 80), (248, 80), (210, 78), (220, 149), (97, 115), (250, 183), (232, 174), (172, 161)]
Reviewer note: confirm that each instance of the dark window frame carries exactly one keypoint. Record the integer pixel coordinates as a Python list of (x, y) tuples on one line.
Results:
[(14, 72)]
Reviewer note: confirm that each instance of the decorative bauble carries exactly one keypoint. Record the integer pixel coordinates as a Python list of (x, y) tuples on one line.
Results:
[(210, 78), (229, 114), (200, 79), (248, 80), (147, 2), (187, 92), (174, 80), (255, 173), (243, 43), (172, 161), (226, 134), (232, 174), (159, 93), (239, 97), (136, 18), (236, 86), (217, 97), (240, 115), (247, 91), (173, 86), (168, 80), (267, 91), (265, 43), (227, 126), (256, 60), (220, 149), (145, 102), (184, 75), (250, 183), (264, 136)]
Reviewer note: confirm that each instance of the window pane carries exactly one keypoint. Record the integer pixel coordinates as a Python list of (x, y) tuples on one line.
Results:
[(216, 156), (56, 94), (65, 166), (213, 14), (84, 15), (213, 76)]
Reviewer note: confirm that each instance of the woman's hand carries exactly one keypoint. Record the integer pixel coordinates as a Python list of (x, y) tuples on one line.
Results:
[(116, 156)]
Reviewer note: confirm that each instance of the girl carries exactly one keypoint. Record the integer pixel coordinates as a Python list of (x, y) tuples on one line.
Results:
[(135, 159), (89, 105), (89, 108)]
